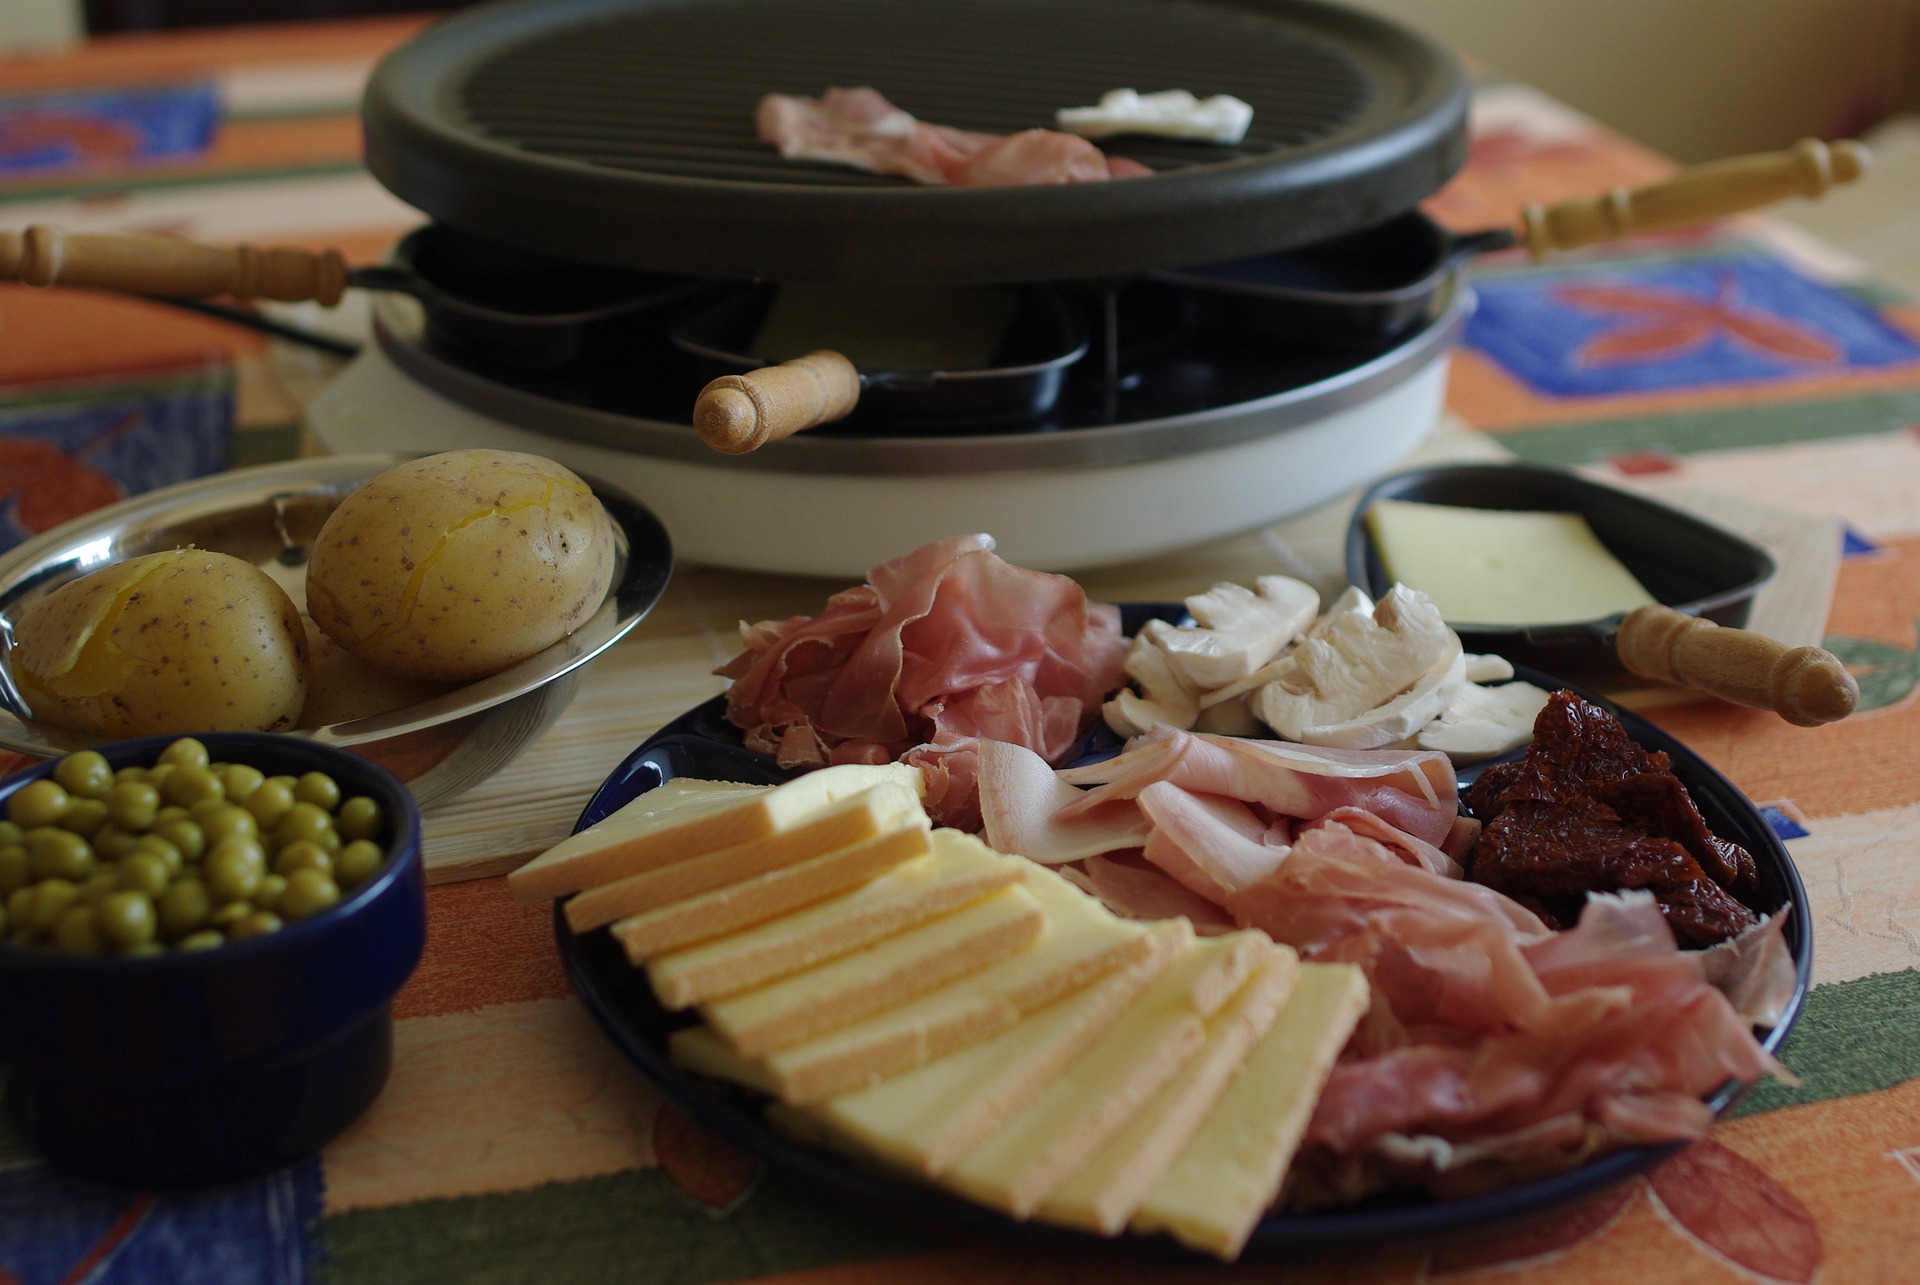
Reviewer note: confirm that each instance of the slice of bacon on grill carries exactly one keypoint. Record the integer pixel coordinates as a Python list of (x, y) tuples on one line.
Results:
[(860, 128)]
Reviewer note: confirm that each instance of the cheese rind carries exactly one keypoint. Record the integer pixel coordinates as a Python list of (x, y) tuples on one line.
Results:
[(656, 830), (877, 977), (959, 870), (1229, 1173), (756, 900), (884, 807), (1502, 566)]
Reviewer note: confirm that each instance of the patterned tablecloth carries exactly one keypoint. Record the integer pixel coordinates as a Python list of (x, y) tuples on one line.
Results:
[(1750, 370)]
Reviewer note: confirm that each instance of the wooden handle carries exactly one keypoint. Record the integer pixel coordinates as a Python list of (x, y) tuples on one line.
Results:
[(1804, 685), (738, 413), (1698, 194), (167, 266)]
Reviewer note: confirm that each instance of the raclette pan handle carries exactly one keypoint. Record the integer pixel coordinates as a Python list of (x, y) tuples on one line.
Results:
[(169, 267), (1807, 686), (739, 413), (1697, 194)]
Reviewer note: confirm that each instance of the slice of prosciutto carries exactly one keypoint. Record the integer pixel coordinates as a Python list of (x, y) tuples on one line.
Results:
[(941, 648), (861, 129)]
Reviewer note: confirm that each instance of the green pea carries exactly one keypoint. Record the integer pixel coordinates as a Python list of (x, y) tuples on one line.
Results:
[(3, 921), (59, 854), (146, 872), (359, 818), (97, 886), (225, 917), (84, 817), (16, 869), (126, 775), (133, 805), (357, 863), (302, 854), (185, 752), (51, 898), (240, 780), (77, 931), (20, 905), (271, 886), (229, 821), (85, 775), (303, 821), (10, 833), (157, 776), (169, 856), (270, 802), (169, 813), (318, 789), (308, 893), (186, 837), (38, 803), (147, 948), (257, 924), (233, 870), (187, 785), (183, 907), (127, 918), (201, 809), (205, 939)]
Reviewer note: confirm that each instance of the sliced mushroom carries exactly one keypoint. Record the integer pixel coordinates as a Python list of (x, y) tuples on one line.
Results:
[(1352, 662), (1163, 699), (1485, 722), (1238, 630)]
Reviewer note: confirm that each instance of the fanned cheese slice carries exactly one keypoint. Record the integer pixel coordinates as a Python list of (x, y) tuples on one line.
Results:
[(756, 900), (877, 977), (1104, 1192), (1229, 1173), (870, 812), (959, 870), (1035, 1151), (685, 819), (931, 1116), (1081, 943)]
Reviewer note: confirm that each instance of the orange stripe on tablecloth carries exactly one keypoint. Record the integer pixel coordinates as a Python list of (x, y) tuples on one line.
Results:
[(502, 1099), (52, 335), (1858, 765), (482, 948), (146, 57)]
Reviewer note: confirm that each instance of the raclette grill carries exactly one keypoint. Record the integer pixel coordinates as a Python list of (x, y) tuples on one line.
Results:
[(621, 132)]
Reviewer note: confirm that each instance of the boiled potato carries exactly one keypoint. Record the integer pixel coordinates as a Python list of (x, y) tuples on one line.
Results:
[(180, 641), (342, 687), (454, 566)]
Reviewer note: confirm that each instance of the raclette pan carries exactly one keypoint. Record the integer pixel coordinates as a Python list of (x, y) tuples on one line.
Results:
[(1702, 577)]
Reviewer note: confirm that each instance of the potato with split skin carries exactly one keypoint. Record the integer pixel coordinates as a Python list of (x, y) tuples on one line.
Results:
[(454, 566), (179, 641)]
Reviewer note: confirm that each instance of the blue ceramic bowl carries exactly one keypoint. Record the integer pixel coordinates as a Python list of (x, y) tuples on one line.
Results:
[(211, 1066)]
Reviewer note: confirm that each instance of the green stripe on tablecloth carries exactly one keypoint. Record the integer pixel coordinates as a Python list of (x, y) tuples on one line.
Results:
[(634, 1226), (1852, 1037), (130, 181), (1735, 428)]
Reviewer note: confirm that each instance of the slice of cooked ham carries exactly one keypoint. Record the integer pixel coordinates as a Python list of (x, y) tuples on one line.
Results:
[(1215, 846), (861, 129), (1021, 801), (1413, 790)]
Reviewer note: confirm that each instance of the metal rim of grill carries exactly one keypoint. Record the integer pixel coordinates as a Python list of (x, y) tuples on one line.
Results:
[(621, 131)]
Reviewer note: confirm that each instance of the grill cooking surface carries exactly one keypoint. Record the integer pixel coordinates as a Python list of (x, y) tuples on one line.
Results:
[(622, 92), (621, 131)]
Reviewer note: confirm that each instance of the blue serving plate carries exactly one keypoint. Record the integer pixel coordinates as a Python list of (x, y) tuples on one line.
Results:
[(701, 743)]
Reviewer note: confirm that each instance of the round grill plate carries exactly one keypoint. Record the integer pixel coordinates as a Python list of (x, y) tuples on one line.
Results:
[(622, 131)]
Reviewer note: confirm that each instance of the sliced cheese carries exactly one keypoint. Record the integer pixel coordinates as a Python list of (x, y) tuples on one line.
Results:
[(1502, 566), (1035, 1151), (960, 869), (1229, 1173), (931, 1116), (678, 821), (1104, 1192), (698, 1049), (1081, 943), (874, 811), (877, 977), (763, 897)]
